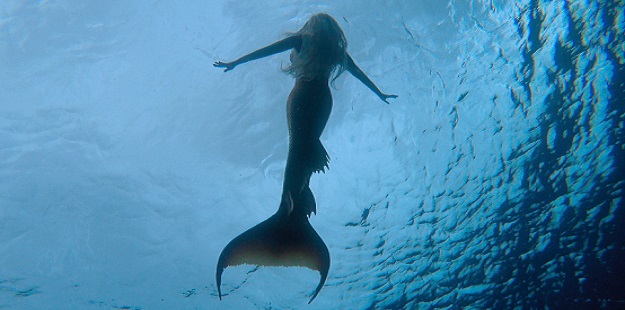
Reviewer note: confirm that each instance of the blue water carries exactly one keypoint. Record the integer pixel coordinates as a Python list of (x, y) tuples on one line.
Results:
[(495, 180)]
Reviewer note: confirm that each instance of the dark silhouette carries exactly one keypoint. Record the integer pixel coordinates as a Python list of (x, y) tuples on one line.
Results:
[(287, 238)]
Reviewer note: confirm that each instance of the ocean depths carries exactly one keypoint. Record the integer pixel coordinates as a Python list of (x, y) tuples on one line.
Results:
[(495, 180)]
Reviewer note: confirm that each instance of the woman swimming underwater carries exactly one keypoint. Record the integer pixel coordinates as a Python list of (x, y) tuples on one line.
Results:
[(318, 52)]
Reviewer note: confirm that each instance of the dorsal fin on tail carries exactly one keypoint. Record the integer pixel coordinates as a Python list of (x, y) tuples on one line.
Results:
[(319, 157)]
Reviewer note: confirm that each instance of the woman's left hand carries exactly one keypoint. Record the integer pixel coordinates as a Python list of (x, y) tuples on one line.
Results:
[(228, 65)]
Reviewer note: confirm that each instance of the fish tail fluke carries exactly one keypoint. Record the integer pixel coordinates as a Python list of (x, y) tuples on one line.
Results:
[(321, 282), (278, 241)]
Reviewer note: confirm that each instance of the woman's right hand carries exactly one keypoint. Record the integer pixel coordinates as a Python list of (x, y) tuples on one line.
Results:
[(385, 96), (228, 65)]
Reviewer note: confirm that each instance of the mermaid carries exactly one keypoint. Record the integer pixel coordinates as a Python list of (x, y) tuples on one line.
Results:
[(318, 53)]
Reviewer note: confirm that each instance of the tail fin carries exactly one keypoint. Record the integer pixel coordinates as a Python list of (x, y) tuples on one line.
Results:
[(278, 241)]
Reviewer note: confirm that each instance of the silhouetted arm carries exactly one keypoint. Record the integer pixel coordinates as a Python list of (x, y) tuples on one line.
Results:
[(280, 46), (355, 71)]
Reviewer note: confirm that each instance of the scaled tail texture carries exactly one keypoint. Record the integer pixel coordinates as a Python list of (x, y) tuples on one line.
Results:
[(278, 241)]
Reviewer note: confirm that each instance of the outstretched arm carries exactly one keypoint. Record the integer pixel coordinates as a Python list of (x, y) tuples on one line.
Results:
[(355, 71), (280, 46)]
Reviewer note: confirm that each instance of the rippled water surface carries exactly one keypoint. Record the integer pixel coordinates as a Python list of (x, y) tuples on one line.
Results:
[(495, 180)]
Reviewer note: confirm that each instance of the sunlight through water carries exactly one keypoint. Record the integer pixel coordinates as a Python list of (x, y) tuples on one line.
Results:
[(494, 181)]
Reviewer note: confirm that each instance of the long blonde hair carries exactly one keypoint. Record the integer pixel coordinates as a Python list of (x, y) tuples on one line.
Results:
[(323, 49)]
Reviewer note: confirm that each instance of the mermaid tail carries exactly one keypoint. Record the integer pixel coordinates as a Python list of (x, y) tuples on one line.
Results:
[(281, 240)]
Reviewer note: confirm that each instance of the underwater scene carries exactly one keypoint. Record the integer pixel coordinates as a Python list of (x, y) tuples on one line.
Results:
[(132, 165)]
